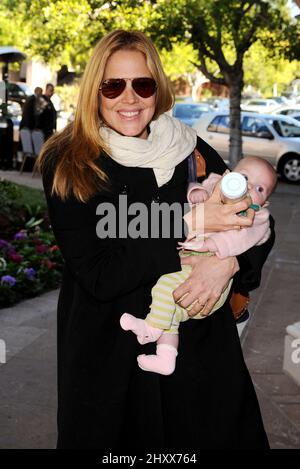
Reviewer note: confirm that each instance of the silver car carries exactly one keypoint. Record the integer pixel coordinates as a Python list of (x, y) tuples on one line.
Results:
[(273, 137)]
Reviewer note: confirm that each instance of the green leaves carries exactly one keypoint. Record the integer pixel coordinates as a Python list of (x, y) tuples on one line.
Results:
[(33, 222), (221, 31), (54, 31), (58, 28), (263, 69), (180, 60)]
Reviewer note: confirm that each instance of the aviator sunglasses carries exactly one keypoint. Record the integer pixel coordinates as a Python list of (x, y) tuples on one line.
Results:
[(114, 87)]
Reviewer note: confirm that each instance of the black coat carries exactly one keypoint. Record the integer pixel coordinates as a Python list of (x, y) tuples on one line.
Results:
[(28, 113), (105, 400), (46, 116)]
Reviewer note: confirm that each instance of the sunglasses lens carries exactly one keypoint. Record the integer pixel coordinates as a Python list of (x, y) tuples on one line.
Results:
[(113, 88), (144, 87)]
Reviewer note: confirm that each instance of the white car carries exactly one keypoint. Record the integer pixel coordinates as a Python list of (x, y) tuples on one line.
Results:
[(288, 110), (260, 105), (273, 137), (296, 116)]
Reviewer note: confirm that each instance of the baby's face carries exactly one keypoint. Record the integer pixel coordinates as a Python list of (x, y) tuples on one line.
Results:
[(259, 179)]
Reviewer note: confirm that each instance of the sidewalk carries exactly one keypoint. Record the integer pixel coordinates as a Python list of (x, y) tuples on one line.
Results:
[(28, 379), (24, 179), (276, 305)]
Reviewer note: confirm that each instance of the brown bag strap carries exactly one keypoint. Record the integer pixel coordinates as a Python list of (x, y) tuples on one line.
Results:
[(239, 303), (200, 164)]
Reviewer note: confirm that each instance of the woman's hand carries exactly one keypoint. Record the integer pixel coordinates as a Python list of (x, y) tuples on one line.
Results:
[(213, 215), (209, 278)]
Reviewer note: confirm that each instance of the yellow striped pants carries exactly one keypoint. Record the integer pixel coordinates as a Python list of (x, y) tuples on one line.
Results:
[(165, 313)]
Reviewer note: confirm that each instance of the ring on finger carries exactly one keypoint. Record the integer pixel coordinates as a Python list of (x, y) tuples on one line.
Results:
[(182, 297), (196, 302), (203, 307)]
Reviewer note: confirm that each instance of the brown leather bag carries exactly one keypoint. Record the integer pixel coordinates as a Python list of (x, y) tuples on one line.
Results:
[(200, 163), (239, 304), (238, 301)]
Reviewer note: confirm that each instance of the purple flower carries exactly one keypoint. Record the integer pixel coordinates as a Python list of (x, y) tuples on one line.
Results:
[(21, 235), (8, 279), (30, 273), (4, 244)]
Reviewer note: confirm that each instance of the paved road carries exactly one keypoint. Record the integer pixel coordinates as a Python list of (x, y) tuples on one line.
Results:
[(28, 378)]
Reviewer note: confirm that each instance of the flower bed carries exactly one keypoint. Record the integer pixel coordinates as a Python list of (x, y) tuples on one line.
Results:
[(19, 205), (29, 264)]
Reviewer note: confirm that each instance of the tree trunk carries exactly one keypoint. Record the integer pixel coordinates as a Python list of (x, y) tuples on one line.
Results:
[(235, 141), (195, 80)]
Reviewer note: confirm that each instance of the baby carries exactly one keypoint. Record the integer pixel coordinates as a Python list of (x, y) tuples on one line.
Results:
[(162, 322)]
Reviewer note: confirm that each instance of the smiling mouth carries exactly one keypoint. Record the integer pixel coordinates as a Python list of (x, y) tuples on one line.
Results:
[(129, 114)]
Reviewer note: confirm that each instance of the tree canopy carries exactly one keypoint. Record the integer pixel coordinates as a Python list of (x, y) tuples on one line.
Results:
[(65, 31), (217, 37)]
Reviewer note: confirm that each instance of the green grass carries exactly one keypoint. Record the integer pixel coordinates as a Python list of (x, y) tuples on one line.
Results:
[(29, 196)]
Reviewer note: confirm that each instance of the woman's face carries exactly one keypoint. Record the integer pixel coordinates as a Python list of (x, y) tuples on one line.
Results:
[(128, 114)]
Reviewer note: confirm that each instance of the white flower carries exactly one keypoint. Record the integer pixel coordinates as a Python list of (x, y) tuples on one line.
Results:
[(3, 263)]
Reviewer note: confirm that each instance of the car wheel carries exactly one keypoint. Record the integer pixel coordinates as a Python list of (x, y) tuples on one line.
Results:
[(289, 168)]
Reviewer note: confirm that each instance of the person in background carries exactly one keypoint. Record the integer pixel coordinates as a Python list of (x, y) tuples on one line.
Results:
[(29, 110), (46, 115)]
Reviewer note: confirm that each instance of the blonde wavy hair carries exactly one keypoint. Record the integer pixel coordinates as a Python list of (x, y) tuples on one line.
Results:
[(74, 151)]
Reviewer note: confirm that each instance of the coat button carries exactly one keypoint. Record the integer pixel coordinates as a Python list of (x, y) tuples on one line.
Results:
[(156, 199)]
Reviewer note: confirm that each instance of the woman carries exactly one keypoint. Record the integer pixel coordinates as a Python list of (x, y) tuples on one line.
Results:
[(104, 400)]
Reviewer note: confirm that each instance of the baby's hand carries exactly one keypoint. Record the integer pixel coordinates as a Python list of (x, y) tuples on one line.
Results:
[(209, 245), (196, 196), (199, 244)]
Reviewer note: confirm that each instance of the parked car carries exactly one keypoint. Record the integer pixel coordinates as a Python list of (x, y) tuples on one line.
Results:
[(281, 100), (218, 104), (260, 105), (296, 116), (18, 91), (273, 137), (288, 110), (14, 112), (189, 113)]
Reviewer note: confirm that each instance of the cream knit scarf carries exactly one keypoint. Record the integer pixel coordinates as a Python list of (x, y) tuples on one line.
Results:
[(170, 142)]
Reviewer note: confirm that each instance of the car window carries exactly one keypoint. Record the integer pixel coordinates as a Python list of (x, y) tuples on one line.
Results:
[(255, 127), (290, 112), (17, 90), (190, 112), (213, 126), (286, 128), (256, 103), (12, 88), (219, 124), (25, 89)]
